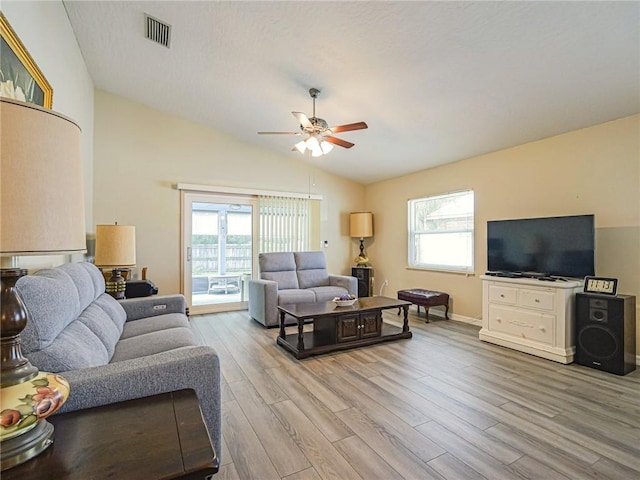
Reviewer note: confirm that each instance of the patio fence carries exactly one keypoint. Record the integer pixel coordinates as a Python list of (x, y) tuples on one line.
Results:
[(204, 259)]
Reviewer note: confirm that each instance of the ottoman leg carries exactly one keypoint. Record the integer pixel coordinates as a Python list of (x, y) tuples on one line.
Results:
[(446, 311), (426, 318)]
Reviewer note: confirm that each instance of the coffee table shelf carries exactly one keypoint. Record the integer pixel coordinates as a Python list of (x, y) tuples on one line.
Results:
[(340, 328)]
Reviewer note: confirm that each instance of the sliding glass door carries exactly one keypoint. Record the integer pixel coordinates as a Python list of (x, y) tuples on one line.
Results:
[(218, 250)]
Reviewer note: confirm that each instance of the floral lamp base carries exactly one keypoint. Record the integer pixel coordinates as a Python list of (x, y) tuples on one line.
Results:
[(18, 450), (24, 432)]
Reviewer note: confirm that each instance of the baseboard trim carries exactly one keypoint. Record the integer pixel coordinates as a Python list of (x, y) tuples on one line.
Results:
[(453, 316)]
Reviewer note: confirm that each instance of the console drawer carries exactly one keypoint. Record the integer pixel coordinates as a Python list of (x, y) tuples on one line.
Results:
[(500, 294), (537, 327), (537, 299)]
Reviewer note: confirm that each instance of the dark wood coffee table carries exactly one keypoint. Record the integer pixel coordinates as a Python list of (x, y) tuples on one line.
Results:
[(340, 328), (158, 437)]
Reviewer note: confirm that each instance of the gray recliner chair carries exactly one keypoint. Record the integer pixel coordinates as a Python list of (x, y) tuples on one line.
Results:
[(293, 277)]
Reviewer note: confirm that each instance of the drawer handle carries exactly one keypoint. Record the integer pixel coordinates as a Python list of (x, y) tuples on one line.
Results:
[(498, 319), (502, 295), (537, 300), (542, 329)]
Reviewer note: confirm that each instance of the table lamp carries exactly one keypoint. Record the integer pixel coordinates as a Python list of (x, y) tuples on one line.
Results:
[(116, 249), (361, 226), (41, 213)]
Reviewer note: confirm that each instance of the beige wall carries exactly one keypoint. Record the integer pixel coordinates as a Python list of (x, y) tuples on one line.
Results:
[(141, 153), (45, 31), (594, 170)]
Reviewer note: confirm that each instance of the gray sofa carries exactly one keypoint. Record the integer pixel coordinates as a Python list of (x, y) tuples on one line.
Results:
[(293, 277), (111, 351)]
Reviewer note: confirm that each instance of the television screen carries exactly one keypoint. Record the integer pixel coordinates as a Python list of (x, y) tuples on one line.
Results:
[(553, 246)]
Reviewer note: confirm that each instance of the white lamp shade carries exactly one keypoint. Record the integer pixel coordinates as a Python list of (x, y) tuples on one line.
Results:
[(326, 147), (361, 224), (41, 183), (301, 146), (312, 143), (115, 246)]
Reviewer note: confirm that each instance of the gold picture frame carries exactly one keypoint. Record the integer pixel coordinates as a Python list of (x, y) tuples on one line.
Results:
[(20, 77)]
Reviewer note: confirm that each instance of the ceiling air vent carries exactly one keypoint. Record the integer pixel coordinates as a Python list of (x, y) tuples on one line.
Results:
[(157, 31)]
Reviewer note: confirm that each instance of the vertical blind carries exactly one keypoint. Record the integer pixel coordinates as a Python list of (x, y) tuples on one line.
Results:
[(284, 224)]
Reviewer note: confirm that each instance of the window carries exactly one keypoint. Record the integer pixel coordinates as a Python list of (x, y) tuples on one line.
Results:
[(441, 232)]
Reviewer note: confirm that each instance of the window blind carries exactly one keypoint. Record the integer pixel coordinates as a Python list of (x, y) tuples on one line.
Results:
[(284, 224)]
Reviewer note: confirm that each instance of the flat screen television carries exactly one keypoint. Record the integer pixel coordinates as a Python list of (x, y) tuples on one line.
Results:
[(551, 246)]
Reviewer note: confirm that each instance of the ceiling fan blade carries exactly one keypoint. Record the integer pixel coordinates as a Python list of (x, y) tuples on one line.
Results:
[(338, 141), (303, 119), (349, 127), (279, 133)]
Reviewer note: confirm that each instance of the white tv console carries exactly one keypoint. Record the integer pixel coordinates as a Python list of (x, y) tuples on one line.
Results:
[(530, 315)]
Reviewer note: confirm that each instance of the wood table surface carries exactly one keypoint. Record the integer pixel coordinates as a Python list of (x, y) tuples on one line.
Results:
[(158, 437)]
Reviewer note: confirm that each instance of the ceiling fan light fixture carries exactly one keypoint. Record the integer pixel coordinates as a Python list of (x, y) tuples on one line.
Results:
[(316, 128), (326, 147), (301, 146), (313, 144)]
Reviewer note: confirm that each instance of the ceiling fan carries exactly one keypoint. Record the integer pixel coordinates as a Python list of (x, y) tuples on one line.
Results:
[(320, 139)]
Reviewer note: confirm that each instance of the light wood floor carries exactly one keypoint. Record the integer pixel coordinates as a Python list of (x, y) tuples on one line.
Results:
[(440, 405)]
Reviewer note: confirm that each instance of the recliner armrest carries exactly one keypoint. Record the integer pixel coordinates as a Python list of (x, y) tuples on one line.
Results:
[(263, 301), (197, 368), (144, 307), (350, 283)]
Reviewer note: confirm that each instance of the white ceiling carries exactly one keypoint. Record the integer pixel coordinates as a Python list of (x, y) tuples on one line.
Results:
[(435, 81)]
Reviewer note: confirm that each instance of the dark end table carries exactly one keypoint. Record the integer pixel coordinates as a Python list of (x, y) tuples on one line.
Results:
[(158, 437)]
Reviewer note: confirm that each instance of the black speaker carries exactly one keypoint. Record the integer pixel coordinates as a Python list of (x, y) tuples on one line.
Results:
[(605, 332), (365, 277)]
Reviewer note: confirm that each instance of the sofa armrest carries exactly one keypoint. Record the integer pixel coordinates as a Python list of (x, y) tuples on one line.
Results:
[(197, 368), (144, 307), (350, 283), (263, 301)]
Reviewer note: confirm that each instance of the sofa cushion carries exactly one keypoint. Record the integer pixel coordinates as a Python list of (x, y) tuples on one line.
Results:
[(75, 347), (311, 269), (276, 262), (295, 296), (279, 267), (285, 280), (151, 324), (58, 296), (310, 260), (325, 294), (312, 278), (152, 343)]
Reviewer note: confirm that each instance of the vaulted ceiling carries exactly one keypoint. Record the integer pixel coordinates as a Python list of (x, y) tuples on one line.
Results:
[(436, 82)]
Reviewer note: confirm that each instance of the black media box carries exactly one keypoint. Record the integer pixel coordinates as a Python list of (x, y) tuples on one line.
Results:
[(140, 288)]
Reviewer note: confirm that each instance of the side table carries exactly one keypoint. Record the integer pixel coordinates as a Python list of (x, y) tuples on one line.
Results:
[(158, 437)]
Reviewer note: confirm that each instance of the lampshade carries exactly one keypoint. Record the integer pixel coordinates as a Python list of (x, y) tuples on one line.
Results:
[(41, 183), (326, 146), (361, 224), (115, 246)]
